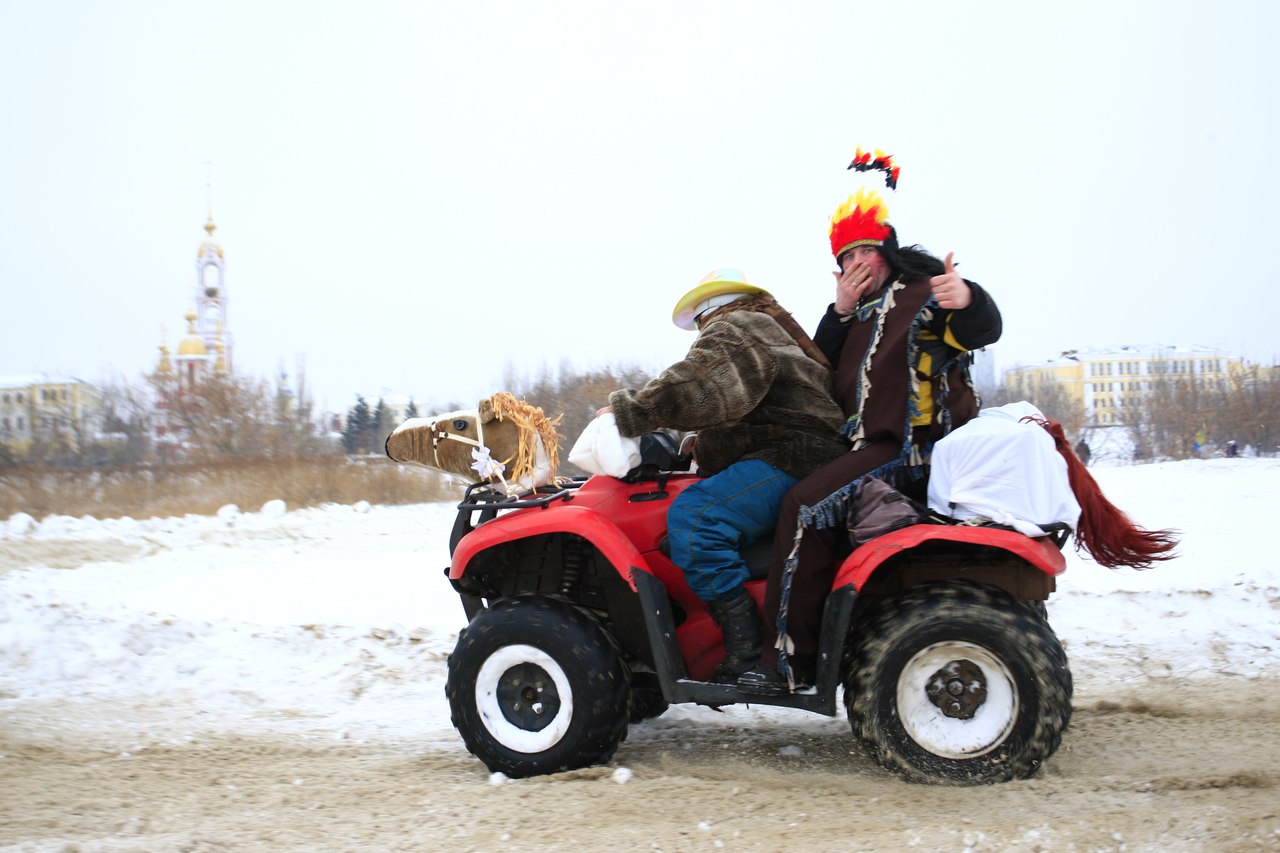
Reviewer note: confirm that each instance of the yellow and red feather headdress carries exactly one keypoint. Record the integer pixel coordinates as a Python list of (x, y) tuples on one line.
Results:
[(863, 218)]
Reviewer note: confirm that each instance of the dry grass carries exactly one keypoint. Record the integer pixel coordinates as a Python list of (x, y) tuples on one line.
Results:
[(249, 483)]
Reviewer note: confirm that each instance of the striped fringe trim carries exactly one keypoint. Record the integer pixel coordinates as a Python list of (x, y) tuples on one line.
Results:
[(852, 429), (833, 510)]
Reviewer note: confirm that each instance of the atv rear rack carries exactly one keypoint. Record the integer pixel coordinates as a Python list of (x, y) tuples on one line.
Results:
[(483, 496)]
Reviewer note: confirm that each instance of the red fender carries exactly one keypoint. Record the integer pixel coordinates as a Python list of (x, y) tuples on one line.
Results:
[(1039, 552), (579, 520)]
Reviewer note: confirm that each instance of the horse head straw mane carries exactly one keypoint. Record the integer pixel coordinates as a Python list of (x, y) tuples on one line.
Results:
[(503, 440)]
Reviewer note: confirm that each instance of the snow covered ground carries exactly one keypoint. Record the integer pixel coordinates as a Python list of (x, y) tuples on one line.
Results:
[(338, 619)]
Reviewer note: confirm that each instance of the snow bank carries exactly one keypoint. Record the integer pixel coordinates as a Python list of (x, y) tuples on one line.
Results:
[(337, 620)]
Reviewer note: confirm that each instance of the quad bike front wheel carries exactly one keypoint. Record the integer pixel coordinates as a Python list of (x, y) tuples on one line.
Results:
[(535, 686), (956, 683)]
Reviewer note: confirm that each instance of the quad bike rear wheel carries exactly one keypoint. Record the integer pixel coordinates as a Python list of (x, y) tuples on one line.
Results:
[(956, 683), (535, 686)]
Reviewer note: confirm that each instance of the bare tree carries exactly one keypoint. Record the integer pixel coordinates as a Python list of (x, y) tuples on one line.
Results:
[(126, 422), (1049, 397), (575, 397), (225, 417), (1170, 418), (1247, 410), (67, 427)]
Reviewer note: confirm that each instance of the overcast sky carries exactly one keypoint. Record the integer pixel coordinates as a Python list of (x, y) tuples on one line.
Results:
[(413, 196)]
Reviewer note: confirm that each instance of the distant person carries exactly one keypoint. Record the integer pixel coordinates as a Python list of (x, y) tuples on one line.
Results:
[(1082, 450), (899, 334), (758, 392), (1232, 450)]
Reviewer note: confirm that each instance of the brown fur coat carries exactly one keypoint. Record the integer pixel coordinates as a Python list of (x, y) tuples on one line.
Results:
[(750, 391)]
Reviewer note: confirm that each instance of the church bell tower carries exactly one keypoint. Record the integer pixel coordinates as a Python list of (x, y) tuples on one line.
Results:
[(211, 293)]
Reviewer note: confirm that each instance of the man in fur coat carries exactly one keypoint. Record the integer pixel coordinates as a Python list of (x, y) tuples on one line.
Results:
[(759, 393)]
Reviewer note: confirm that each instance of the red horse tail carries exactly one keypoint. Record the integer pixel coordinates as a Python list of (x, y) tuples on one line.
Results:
[(1104, 531)]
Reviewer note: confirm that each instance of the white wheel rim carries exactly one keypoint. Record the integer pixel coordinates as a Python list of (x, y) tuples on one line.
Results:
[(487, 703), (951, 737)]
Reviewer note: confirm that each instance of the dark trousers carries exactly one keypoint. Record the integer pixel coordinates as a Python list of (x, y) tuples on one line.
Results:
[(821, 552)]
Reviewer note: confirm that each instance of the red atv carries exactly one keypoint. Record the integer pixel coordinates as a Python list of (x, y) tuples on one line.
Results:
[(580, 624)]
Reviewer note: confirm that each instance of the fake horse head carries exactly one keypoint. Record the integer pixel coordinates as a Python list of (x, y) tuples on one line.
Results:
[(502, 440)]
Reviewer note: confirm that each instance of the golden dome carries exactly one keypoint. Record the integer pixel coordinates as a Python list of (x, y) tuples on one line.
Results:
[(191, 344), (164, 366)]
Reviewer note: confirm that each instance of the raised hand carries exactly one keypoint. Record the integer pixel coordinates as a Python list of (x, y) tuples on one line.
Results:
[(851, 284), (949, 288)]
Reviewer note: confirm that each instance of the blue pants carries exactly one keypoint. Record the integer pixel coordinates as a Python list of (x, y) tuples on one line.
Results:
[(710, 522)]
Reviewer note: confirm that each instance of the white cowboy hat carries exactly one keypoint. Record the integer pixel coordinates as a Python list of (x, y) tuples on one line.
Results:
[(724, 282)]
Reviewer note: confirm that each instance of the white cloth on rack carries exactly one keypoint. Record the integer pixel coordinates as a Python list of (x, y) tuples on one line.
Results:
[(997, 466)]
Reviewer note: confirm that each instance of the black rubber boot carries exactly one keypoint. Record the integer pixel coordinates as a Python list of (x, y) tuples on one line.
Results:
[(743, 634), (763, 680)]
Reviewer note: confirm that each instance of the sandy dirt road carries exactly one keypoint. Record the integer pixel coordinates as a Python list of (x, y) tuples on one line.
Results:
[(1169, 766)]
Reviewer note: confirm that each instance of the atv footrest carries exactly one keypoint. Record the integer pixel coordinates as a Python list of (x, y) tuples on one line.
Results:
[(674, 678), (716, 695)]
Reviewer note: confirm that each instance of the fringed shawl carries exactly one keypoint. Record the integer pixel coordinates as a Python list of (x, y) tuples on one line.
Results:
[(875, 322)]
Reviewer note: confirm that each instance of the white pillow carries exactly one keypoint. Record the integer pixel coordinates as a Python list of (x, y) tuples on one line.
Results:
[(601, 449)]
